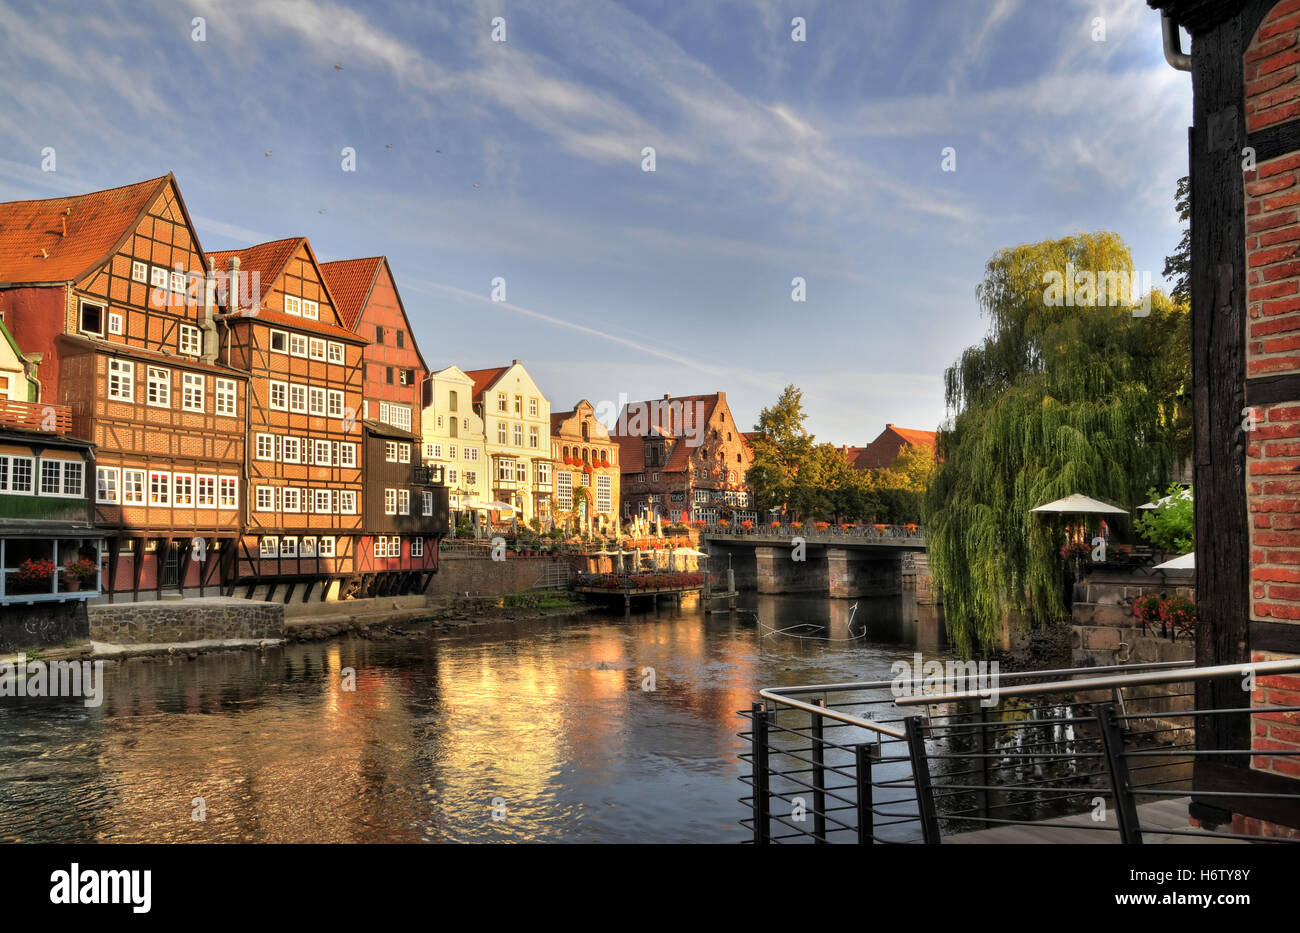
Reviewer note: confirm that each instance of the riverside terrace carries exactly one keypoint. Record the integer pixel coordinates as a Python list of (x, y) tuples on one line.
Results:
[(838, 560)]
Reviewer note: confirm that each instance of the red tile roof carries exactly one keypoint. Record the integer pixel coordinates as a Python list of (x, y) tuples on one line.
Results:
[(97, 223), (349, 282), (883, 451), (268, 260), (660, 419), (484, 378)]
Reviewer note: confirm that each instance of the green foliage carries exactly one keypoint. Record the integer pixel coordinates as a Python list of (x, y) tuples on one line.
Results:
[(780, 447), (464, 526), (1171, 526), (899, 491), (1179, 266), (1056, 400)]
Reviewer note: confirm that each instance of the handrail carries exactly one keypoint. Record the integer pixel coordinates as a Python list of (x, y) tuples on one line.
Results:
[(1105, 683), (777, 694)]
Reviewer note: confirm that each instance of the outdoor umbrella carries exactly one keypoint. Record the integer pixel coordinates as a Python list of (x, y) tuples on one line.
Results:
[(1079, 504), (1186, 562)]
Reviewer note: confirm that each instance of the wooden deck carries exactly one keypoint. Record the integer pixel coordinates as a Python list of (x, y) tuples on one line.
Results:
[(1155, 818)]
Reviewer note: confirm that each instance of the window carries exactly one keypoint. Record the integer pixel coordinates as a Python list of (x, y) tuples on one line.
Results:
[(298, 398), (532, 408), (501, 432), (505, 471), (519, 404), (519, 435), (280, 341), (380, 547), (544, 473), (288, 546), (316, 348), (564, 490), (390, 501), (604, 494), (158, 277), (403, 502), (433, 451), (348, 455), (290, 449), (106, 484), (133, 487), (471, 478), (379, 334), (533, 437), (347, 502), (334, 403), (114, 323), (451, 477), (502, 402), (451, 452), (417, 547), (190, 341), (586, 478), (297, 345), (399, 416), (192, 392), (290, 500), (52, 477), (310, 309), (121, 380), (264, 499), (160, 387), (401, 338), (178, 281), (390, 451), (15, 474), (280, 396), (327, 547), (471, 453), (265, 444), (228, 492), (268, 546), (388, 374), (335, 352), (183, 489), (160, 488), (226, 395), (426, 503), (292, 305), (322, 502), (316, 401), (404, 453), (395, 546), (322, 457), (91, 319), (139, 272)]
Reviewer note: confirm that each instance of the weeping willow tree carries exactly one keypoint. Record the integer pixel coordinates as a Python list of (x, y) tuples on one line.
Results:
[(1060, 398)]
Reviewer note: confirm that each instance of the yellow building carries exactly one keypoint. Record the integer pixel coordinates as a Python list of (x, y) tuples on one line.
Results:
[(586, 470), (453, 439), (517, 438)]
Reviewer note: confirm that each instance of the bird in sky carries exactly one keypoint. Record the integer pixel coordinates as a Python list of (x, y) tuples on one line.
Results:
[(475, 184), (268, 153), (338, 67), (388, 145)]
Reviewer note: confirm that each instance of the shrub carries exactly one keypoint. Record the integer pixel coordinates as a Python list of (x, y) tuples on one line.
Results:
[(1171, 526)]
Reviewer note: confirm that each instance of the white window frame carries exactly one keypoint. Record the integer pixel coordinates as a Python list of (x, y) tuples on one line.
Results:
[(290, 449), (182, 481), (327, 546), (319, 497), (315, 401), (289, 546), (110, 492), (227, 397), (264, 499), (264, 447), (281, 336), (311, 309), (297, 398), (158, 277), (426, 503), (115, 325), (290, 494), (315, 348), (135, 487), (139, 271), (124, 371), (403, 502), (193, 391), (307, 546), (230, 485), (348, 455), (268, 546), (293, 305), (417, 546), (282, 389), (334, 353), (333, 403), (189, 340), (390, 501), (347, 502), (159, 494), (152, 379), (297, 345)]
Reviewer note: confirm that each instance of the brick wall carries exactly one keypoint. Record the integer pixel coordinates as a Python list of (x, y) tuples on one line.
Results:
[(1271, 69)]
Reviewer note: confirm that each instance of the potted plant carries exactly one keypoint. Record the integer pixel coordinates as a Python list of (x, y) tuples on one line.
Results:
[(35, 573), (1147, 609), (77, 573), (1179, 613)]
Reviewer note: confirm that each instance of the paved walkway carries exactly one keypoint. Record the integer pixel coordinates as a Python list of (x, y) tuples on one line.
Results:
[(1154, 818)]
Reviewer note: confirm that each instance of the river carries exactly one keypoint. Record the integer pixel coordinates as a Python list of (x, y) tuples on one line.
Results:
[(536, 731)]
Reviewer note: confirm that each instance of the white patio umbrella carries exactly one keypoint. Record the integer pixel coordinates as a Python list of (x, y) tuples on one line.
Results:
[(1079, 504), (1185, 562)]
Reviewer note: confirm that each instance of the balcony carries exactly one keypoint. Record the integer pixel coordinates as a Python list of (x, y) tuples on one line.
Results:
[(35, 416), (428, 475)]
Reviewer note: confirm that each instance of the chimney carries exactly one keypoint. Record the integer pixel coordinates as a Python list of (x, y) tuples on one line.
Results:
[(64, 222), (232, 286), (514, 362), (208, 323)]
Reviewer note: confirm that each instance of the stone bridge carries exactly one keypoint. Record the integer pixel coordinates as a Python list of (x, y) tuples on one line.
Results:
[(857, 562)]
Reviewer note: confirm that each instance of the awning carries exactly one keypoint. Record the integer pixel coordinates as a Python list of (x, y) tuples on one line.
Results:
[(1079, 504)]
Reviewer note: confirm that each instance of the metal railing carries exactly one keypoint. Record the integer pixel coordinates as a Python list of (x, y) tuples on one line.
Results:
[(1053, 759), (809, 532)]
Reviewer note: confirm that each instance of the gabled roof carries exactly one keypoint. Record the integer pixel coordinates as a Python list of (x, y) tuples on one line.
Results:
[(883, 451), (268, 260), (35, 250), (484, 379), (658, 414), (350, 283)]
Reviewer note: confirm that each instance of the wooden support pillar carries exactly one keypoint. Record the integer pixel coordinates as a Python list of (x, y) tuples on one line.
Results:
[(183, 564), (114, 552)]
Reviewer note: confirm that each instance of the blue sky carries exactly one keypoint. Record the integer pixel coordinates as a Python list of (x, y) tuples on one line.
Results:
[(774, 159)]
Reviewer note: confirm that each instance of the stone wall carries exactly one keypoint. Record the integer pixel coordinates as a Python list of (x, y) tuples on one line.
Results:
[(217, 618), (478, 575), (41, 625), (1105, 631)]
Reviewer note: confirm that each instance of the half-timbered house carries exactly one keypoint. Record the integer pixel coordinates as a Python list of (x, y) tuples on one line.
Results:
[(302, 517), (404, 510), (107, 293)]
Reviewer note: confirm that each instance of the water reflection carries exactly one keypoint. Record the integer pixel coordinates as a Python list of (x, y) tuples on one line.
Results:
[(543, 723)]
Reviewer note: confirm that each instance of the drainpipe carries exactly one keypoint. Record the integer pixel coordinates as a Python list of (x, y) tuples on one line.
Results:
[(211, 342), (232, 287), (1174, 53)]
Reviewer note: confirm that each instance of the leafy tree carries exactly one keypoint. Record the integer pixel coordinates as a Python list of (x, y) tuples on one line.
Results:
[(780, 446), (1171, 525), (1056, 400), (1179, 265), (900, 488)]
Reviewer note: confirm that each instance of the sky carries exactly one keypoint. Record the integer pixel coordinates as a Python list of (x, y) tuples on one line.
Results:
[(522, 160)]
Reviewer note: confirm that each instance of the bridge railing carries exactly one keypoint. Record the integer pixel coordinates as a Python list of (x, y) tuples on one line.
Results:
[(1058, 758), (810, 532)]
